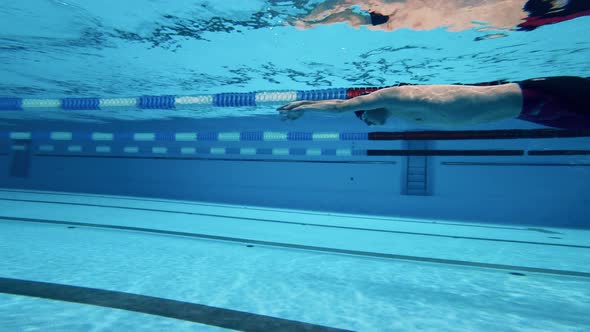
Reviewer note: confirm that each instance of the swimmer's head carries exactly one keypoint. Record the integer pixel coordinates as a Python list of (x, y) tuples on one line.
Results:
[(376, 117)]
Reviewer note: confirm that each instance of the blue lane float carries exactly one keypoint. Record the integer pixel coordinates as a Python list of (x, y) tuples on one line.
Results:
[(157, 102), (233, 99), (248, 136), (253, 136), (82, 104), (325, 94), (141, 151), (11, 104)]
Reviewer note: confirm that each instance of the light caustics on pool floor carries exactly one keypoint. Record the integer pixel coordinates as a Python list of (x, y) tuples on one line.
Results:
[(221, 264)]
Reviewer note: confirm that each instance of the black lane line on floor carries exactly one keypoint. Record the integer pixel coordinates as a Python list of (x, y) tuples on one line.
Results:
[(218, 159), (252, 208), (466, 163), (314, 248), (559, 152), (304, 224), (192, 312)]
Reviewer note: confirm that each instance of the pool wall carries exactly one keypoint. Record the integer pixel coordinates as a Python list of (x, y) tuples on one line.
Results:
[(524, 189)]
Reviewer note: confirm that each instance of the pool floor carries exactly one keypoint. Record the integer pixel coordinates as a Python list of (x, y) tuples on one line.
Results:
[(296, 268)]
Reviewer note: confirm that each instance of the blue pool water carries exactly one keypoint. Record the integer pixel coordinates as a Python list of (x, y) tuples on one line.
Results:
[(147, 181)]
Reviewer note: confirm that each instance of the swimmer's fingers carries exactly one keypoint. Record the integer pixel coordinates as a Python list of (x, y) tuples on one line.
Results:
[(294, 104), (288, 112), (291, 115), (295, 110)]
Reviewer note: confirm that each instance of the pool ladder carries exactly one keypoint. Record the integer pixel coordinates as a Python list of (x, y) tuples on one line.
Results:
[(416, 170)]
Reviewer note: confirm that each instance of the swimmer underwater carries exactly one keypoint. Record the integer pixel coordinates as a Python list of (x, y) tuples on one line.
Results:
[(559, 102)]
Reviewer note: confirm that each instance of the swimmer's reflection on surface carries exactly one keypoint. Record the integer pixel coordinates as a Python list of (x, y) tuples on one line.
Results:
[(454, 15)]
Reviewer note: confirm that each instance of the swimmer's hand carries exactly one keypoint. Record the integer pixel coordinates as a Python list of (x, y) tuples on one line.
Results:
[(375, 100), (295, 110)]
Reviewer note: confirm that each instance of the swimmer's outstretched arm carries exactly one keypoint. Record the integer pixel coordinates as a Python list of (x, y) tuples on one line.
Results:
[(347, 15), (445, 105)]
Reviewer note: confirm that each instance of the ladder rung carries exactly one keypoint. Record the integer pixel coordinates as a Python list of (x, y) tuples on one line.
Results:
[(416, 178), (416, 171), (417, 186), (416, 161)]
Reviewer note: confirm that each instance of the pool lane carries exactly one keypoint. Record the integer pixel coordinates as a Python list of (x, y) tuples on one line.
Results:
[(192, 312), (110, 266)]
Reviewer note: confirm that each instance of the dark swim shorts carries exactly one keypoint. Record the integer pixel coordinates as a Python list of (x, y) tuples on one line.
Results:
[(560, 102), (542, 12)]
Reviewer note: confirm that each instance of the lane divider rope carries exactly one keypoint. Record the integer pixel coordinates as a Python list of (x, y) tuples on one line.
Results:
[(234, 99), (272, 136), (254, 151), (247, 136)]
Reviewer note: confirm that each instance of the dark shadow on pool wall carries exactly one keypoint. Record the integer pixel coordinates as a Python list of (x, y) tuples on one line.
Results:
[(192, 312)]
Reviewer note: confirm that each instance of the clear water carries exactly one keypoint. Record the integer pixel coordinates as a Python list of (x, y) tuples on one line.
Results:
[(499, 243)]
